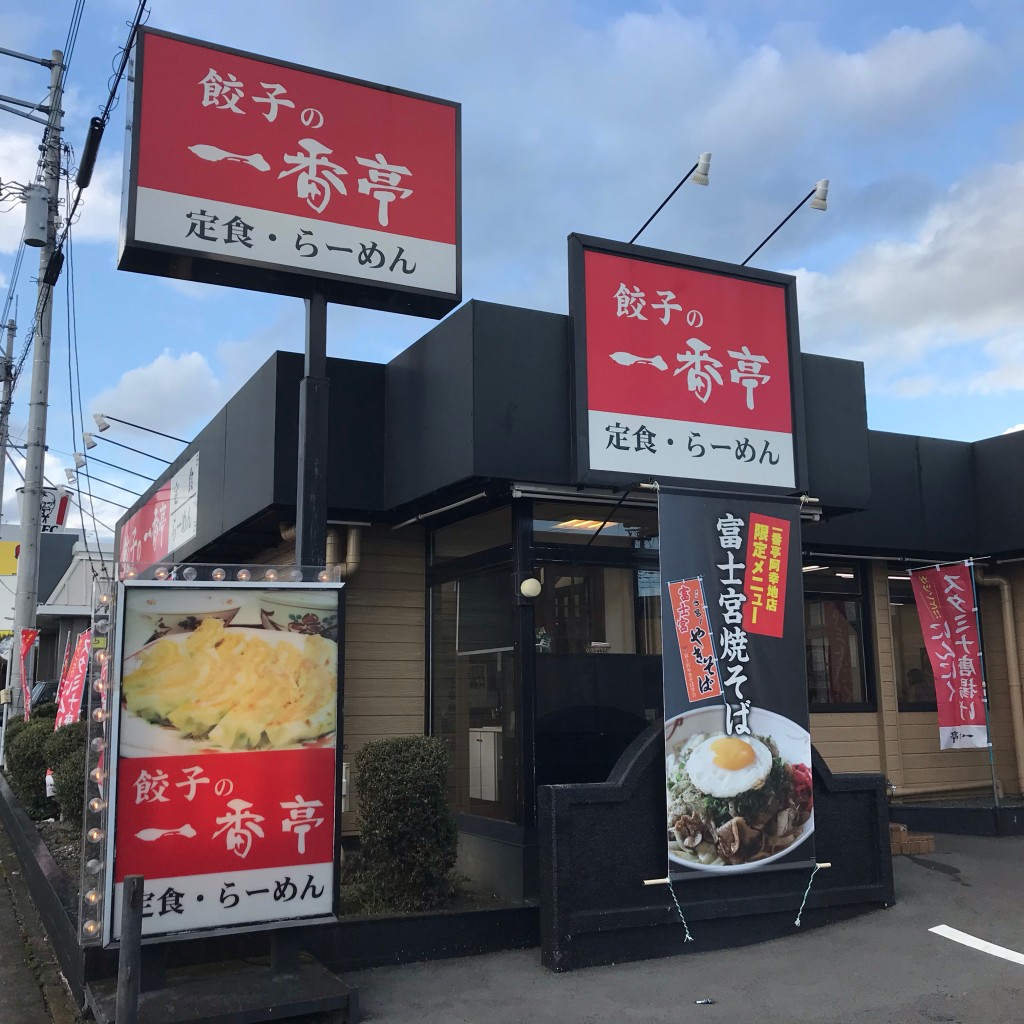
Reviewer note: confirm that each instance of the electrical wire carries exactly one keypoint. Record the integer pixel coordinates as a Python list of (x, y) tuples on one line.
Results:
[(45, 291), (109, 105)]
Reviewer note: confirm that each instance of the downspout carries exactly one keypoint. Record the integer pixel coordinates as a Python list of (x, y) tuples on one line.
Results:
[(1012, 664), (353, 550)]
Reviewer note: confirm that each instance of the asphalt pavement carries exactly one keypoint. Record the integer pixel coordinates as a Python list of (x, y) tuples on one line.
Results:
[(886, 966), (31, 988)]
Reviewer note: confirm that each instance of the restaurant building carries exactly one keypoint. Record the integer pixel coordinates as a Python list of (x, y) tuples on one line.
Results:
[(451, 481)]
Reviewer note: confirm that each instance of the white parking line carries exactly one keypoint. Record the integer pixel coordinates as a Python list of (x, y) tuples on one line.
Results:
[(986, 947)]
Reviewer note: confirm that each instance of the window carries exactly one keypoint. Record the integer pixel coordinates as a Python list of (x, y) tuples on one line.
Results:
[(915, 684), (471, 536), (601, 526), (473, 691), (834, 629), (589, 609)]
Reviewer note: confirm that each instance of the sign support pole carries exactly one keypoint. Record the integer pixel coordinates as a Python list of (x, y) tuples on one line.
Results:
[(311, 486)]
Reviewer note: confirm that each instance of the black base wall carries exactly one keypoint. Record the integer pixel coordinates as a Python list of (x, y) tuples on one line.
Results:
[(598, 843)]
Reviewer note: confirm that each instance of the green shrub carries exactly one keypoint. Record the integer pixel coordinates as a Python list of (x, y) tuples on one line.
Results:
[(14, 727), (408, 837), (66, 740), (26, 766), (45, 711), (69, 781)]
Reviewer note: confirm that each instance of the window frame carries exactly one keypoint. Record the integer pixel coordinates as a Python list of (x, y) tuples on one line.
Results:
[(860, 592), (905, 706)]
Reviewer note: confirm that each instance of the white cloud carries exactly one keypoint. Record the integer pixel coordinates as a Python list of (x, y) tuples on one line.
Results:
[(100, 208), (1013, 430), (957, 281), (19, 151), (176, 394)]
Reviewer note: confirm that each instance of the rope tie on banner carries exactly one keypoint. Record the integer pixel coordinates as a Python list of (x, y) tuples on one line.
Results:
[(807, 892), (679, 911)]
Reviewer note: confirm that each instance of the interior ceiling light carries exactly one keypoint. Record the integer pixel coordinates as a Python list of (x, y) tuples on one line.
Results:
[(585, 524), (814, 568)]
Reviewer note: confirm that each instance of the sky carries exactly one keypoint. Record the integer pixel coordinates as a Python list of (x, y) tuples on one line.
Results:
[(581, 117)]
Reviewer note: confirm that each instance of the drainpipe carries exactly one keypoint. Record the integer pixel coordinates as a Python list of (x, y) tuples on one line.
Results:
[(353, 549), (1012, 664)]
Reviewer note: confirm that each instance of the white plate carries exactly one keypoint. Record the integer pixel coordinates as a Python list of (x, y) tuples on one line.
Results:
[(793, 742), (139, 738)]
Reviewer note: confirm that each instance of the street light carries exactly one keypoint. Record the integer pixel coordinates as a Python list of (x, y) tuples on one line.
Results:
[(819, 202), (90, 442), (103, 424), (698, 174)]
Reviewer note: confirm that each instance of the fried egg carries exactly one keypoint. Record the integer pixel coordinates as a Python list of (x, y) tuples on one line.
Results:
[(725, 766)]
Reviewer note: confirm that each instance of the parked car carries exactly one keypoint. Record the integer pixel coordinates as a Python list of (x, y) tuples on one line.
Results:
[(44, 692)]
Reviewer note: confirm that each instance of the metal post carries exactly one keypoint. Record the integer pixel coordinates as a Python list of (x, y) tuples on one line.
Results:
[(129, 960), (5, 412), (5, 403), (311, 485), (27, 596)]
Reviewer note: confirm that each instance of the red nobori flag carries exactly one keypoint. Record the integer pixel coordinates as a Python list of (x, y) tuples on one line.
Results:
[(696, 648), (72, 683), (28, 639), (949, 623)]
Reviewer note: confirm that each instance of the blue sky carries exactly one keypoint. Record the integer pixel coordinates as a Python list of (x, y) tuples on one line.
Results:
[(581, 117)]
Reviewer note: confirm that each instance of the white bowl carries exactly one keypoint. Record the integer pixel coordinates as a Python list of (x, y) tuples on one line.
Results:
[(794, 745)]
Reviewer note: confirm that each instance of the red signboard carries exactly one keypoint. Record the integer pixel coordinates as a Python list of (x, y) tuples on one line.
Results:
[(144, 538), (252, 165), (684, 368), (696, 648), (225, 736), (767, 556), (949, 623), (72, 682)]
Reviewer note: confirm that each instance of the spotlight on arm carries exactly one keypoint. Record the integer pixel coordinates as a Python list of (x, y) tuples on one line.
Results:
[(102, 423), (90, 441), (698, 174), (819, 201)]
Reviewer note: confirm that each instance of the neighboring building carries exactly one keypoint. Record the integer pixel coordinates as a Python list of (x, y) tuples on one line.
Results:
[(67, 608), (449, 482), (57, 552)]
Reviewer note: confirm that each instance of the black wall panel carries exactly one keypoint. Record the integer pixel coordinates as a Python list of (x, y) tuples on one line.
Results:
[(429, 411)]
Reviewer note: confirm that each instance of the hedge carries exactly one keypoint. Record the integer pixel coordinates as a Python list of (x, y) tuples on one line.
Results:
[(408, 837), (69, 782), (66, 740), (26, 766)]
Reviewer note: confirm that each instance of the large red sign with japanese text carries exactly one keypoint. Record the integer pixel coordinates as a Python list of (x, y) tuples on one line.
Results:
[(686, 372), (239, 159), (949, 624), (225, 733), (144, 537)]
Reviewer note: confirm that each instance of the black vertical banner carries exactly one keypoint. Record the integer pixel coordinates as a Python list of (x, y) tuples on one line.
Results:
[(737, 746)]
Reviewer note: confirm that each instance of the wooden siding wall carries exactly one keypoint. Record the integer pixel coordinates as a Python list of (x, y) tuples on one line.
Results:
[(385, 666), (385, 640), (904, 745)]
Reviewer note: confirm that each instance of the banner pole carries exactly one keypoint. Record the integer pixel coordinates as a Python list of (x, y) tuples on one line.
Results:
[(984, 687)]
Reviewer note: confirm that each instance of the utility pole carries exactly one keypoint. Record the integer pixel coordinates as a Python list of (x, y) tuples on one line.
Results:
[(27, 595)]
